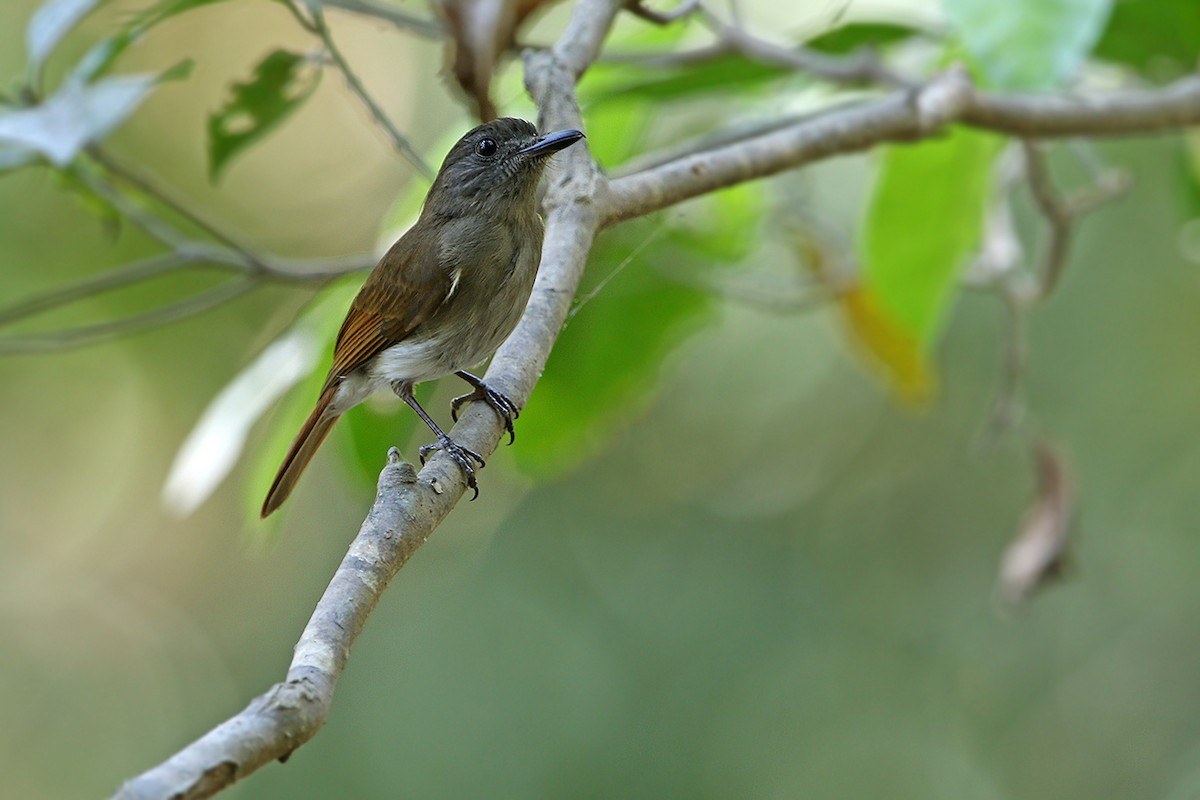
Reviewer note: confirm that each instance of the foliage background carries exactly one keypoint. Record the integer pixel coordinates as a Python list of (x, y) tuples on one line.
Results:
[(762, 578)]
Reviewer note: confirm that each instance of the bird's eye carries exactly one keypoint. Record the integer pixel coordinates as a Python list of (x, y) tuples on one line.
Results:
[(486, 147)]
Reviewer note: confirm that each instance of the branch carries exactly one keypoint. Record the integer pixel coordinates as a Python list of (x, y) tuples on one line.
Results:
[(183, 254), (901, 116), (409, 506)]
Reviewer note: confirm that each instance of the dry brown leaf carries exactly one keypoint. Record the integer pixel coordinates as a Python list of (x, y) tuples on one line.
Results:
[(1038, 553), (481, 32)]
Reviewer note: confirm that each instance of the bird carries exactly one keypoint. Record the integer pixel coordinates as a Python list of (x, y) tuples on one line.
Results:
[(446, 294)]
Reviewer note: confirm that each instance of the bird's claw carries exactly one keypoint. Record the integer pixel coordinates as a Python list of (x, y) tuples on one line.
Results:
[(461, 455), (499, 402)]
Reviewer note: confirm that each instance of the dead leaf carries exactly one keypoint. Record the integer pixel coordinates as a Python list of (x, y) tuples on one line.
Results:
[(1038, 553), (481, 32)]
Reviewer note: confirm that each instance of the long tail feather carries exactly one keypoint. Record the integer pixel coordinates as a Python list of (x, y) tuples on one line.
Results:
[(304, 446)]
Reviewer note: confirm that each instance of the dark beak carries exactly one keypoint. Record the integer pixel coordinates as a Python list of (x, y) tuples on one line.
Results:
[(551, 143)]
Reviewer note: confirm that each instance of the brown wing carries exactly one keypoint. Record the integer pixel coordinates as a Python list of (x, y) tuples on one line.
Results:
[(402, 292)]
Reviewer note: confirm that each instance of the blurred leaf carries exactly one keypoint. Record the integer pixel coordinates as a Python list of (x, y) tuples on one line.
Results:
[(97, 206), (604, 364), (101, 57), (616, 130), (924, 219), (1029, 44), (75, 116), (52, 21), (1159, 38), (1189, 173), (725, 227), (849, 38), (15, 159), (212, 448), (888, 347), (281, 83)]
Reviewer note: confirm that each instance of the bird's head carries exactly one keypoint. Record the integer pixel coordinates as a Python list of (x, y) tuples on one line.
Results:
[(499, 161)]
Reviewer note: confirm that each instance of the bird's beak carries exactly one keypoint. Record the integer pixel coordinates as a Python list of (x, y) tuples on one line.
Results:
[(551, 143)]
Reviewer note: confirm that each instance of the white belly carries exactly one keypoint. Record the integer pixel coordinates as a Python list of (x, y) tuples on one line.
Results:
[(408, 362)]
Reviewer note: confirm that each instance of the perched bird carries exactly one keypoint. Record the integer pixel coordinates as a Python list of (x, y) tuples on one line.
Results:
[(445, 296)]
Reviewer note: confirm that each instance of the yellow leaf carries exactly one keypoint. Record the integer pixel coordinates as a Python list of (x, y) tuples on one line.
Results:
[(888, 351)]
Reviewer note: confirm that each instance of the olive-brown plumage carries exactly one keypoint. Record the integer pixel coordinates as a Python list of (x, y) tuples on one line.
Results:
[(445, 295)]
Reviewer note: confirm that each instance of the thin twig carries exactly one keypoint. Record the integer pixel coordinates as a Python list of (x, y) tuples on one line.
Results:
[(127, 275), (112, 329), (146, 186), (685, 8), (860, 67), (316, 24), (422, 26), (1062, 213)]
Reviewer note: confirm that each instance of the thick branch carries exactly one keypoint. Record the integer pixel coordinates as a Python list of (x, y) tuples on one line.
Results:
[(898, 117), (408, 506)]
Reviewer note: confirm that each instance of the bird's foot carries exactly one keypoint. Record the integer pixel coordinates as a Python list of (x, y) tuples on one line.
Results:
[(499, 402), (461, 455)]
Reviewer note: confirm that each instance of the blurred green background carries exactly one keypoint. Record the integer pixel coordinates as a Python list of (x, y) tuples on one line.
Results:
[(759, 577)]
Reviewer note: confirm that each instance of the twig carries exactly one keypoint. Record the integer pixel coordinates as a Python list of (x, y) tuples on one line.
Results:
[(317, 25), (860, 67), (155, 226), (104, 331), (639, 8), (1008, 406), (422, 26), (1062, 213), (128, 275)]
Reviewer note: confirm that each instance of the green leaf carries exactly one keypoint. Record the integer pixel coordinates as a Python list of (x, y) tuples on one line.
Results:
[(1028, 44), (100, 58), (50, 23), (852, 37), (603, 366), (925, 218), (281, 83), (1160, 38), (75, 116), (723, 228)]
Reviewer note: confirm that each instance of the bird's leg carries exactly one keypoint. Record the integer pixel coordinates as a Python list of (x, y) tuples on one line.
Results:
[(504, 407), (461, 455)]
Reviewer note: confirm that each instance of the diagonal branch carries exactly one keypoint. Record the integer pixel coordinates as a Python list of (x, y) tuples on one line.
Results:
[(409, 506)]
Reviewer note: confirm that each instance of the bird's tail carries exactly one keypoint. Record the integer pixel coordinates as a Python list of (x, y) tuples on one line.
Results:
[(304, 446)]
